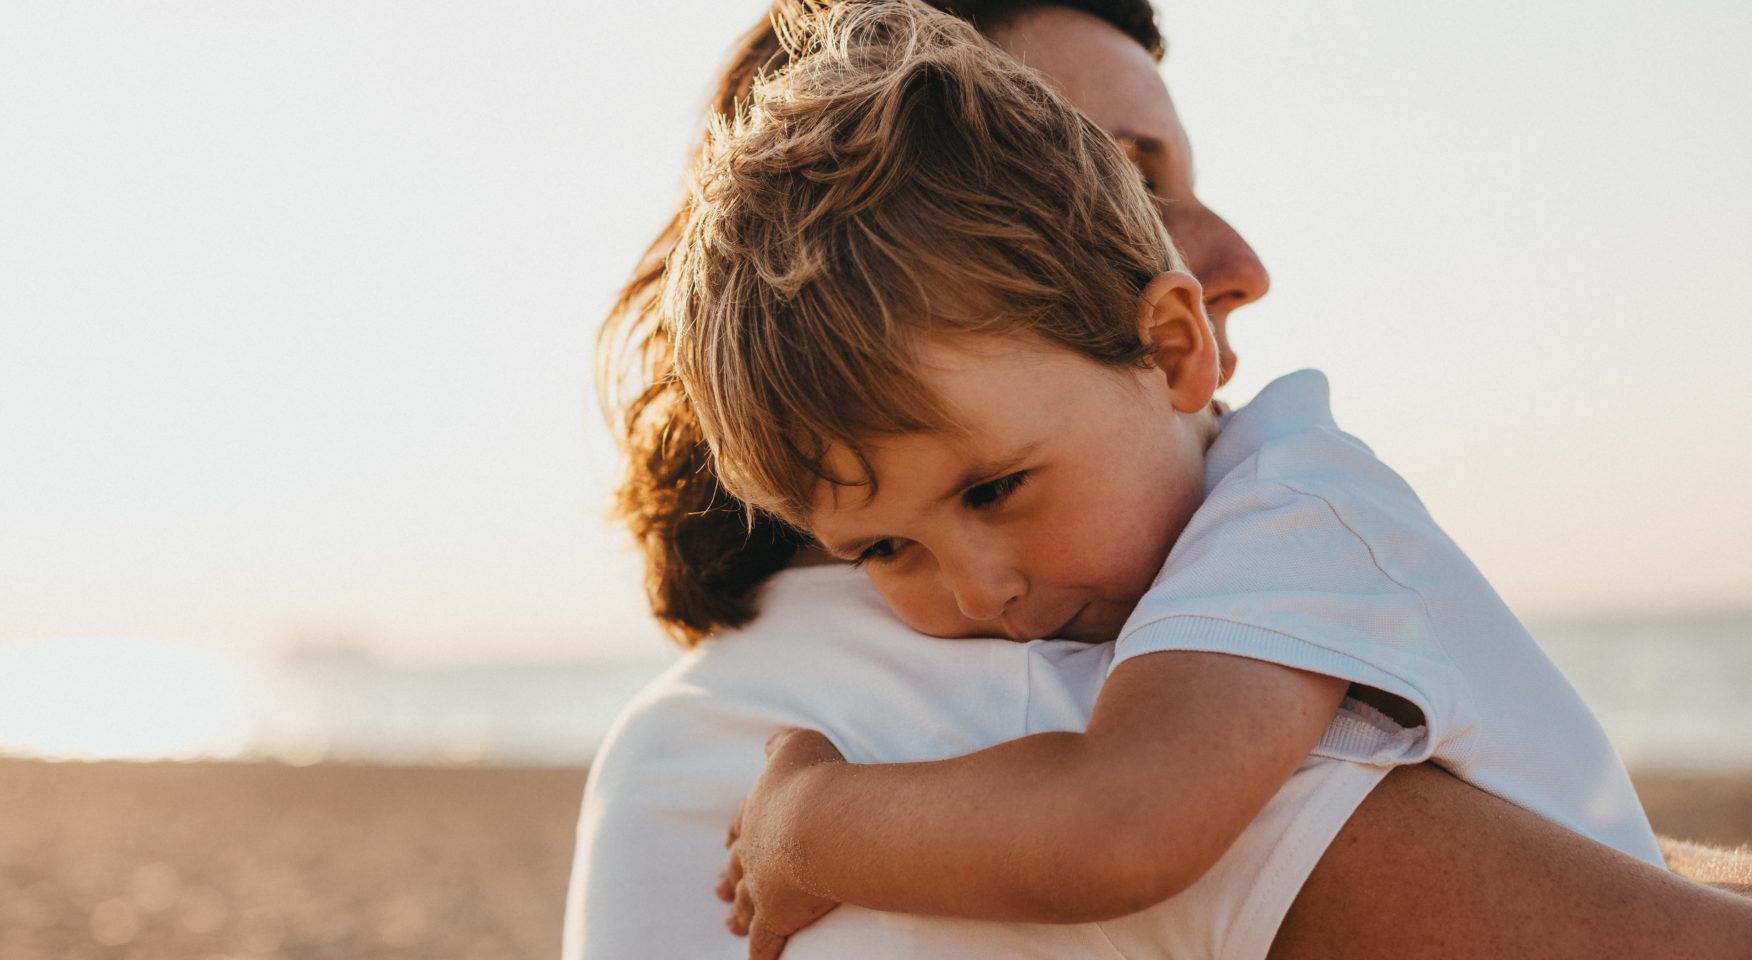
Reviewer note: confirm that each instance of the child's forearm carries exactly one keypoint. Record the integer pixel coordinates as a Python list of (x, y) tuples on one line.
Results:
[(1182, 752), (1026, 830)]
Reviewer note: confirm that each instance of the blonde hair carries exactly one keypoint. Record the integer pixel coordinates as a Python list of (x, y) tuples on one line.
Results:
[(706, 558), (902, 178)]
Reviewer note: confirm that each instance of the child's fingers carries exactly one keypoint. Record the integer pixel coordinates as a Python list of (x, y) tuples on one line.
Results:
[(731, 876), (763, 943), (772, 741), (797, 745), (792, 750), (741, 911)]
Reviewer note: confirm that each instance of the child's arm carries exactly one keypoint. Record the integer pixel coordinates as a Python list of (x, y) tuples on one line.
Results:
[(1182, 752)]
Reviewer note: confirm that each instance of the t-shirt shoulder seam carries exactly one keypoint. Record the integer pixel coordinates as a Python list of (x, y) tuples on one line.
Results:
[(1375, 561), (1423, 603)]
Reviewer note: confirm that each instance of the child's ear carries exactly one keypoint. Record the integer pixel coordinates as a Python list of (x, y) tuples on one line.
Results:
[(1171, 320)]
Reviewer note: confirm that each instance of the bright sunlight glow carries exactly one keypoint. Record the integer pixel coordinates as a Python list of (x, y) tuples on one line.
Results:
[(107, 698)]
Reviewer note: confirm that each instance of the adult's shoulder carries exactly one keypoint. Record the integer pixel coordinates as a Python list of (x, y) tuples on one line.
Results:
[(668, 778), (826, 653)]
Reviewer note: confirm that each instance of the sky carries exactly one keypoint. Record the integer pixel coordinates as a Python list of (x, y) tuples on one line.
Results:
[(297, 300)]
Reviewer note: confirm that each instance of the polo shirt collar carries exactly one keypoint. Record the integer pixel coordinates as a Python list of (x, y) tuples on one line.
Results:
[(1288, 405)]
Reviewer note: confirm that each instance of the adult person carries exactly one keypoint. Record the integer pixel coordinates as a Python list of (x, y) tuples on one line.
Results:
[(1316, 875)]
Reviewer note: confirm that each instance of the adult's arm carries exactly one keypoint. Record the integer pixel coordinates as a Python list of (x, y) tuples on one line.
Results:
[(1429, 866), (1729, 870)]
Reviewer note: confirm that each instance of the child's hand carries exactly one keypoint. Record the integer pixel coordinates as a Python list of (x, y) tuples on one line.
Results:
[(767, 907)]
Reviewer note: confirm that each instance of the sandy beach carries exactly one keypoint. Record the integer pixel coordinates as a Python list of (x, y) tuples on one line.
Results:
[(216, 861), (206, 861)]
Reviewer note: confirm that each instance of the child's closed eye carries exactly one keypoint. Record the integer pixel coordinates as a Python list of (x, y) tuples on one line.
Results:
[(982, 496), (875, 553), (994, 492)]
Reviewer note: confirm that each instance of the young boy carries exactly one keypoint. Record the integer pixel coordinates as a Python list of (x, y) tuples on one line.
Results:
[(926, 312)]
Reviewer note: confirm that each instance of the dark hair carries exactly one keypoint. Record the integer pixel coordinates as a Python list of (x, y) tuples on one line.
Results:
[(704, 559)]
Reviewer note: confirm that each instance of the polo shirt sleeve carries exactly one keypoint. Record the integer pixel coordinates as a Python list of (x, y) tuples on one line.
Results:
[(1273, 572)]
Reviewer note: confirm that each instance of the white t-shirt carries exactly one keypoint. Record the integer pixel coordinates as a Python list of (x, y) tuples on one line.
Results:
[(826, 653), (1311, 553)]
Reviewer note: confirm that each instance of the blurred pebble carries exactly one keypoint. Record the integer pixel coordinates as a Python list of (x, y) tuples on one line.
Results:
[(79, 875), (331, 924), (156, 887), (202, 910), (400, 924), (34, 907), (114, 923), (260, 930), (20, 944)]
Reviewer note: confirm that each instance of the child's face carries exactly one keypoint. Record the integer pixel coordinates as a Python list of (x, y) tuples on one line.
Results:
[(1048, 517)]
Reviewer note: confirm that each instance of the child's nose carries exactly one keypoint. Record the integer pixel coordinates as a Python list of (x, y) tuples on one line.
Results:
[(985, 591)]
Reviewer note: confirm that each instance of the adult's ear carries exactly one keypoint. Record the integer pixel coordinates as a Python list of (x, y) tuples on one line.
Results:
[(1171, 320)]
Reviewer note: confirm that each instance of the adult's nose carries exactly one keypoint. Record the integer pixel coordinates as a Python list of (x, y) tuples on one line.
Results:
[(1225, 263), (1231, 272)]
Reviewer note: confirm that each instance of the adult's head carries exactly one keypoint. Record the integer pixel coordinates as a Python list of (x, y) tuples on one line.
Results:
[(703, 563), (1113, 79)]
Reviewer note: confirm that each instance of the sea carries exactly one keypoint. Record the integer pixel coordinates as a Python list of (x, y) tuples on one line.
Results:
[(1674, 694)]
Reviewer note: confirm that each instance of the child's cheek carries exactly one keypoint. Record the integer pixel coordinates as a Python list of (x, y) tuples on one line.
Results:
[(919, 600), (1084, 542), (1114, 553)]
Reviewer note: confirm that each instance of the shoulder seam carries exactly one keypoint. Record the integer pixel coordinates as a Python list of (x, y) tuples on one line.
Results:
[(1422, 601)]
